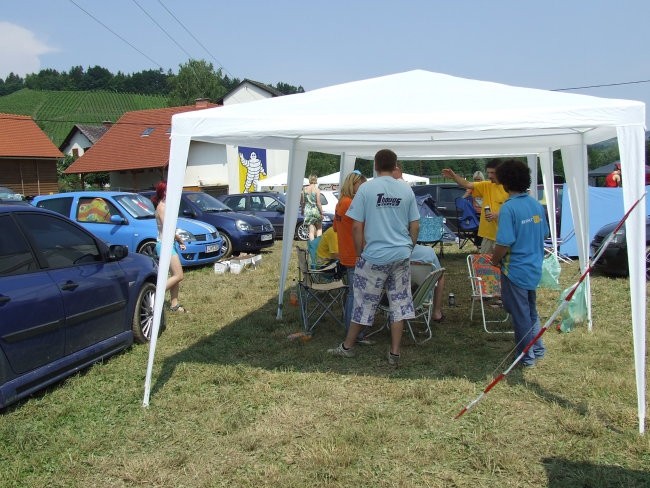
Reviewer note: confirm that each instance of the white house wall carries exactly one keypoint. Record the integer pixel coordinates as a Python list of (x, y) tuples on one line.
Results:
[(79, 142), (246, 93), (207, 165)]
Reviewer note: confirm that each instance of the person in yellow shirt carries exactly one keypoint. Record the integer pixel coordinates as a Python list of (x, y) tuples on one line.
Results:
[(328, 247), (493, 196)]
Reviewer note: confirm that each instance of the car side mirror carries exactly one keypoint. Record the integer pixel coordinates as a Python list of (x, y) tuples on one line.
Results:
[(116, 252), (188, 213), (280, 208), (117, 219)]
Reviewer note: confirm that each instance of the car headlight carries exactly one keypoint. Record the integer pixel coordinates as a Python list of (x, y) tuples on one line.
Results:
[(185, 235), (243, 226)]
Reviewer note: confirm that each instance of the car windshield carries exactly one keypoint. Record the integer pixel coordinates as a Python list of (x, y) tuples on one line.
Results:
[(137, 206), (207, 203), (9, 194)]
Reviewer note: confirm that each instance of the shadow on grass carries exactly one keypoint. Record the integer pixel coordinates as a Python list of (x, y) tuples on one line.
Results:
[(459, 349), (563, 473)]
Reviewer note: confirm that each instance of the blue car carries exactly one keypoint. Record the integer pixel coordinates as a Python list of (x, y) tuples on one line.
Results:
[(240, 232), (129, 219), (67, 299)]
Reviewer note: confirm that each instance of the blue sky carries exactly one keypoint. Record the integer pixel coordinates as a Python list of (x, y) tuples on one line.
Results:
[(546, 44)]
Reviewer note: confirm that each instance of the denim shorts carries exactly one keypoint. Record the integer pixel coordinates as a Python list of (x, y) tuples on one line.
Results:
[(369, 283)]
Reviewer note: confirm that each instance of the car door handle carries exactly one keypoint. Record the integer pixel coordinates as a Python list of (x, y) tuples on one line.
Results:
[(69, 285), (441, 208)]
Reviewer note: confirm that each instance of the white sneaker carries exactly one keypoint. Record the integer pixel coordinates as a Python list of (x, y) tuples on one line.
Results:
[(340, 351)]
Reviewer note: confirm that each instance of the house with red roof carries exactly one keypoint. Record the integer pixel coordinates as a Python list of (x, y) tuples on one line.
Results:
[(28, 157), (135, 149)]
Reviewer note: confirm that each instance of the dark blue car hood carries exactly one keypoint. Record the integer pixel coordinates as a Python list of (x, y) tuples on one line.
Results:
[(249, 219)]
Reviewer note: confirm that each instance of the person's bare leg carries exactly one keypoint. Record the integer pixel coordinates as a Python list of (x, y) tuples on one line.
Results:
[(438, 298), (353, 332), (312, 232), (319, 230), (396, 329), (173, 282)]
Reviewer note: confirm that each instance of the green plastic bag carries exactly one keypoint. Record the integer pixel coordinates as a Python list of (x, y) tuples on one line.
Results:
[(550, 273), (576, 312)]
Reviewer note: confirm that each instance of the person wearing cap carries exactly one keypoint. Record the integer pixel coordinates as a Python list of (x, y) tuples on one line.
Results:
[(613, 180), (493, 196)]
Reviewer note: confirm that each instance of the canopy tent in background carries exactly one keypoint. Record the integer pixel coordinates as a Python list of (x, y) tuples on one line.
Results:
[(605, 207), (606, 169), (424, 115), (335, 179), (279, 180)]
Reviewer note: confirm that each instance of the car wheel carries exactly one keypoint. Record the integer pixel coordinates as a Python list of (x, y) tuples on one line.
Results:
[(226, 247), (148, 248), (142, 324), (302, 232), (647, 263)]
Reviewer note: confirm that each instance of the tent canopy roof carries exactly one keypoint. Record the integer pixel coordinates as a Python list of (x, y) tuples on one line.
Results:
[(443, 116)]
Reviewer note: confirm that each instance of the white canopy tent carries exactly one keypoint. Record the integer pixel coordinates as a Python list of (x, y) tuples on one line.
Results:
[(424, 115), (276, 180)]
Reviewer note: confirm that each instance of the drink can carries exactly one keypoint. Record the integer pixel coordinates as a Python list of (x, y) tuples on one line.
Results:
[(487, 210), (452, 300)]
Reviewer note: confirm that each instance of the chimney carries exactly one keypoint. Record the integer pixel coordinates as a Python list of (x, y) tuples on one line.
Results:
[(107, 123), (201, 102)]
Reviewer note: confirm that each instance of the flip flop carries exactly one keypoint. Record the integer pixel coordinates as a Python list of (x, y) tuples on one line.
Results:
[(178, 308)]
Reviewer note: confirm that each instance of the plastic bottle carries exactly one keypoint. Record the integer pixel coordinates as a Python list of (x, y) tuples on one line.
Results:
[(293, 295)]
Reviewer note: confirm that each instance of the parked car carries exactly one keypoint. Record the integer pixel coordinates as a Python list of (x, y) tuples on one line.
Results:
[(240, 232), (328, 200), (8, 195), (270, 205), (129, 219), (444, 194), (614, 259), (67, 299)]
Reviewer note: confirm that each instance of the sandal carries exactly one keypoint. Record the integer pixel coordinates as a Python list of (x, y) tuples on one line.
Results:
[(441, 319), (178, 308)]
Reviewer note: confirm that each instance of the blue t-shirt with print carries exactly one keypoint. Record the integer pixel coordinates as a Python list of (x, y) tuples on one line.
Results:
[(386, 206), (522, 228)]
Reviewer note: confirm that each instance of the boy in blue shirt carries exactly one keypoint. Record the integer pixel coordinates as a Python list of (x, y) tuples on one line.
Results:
[(519, 251)]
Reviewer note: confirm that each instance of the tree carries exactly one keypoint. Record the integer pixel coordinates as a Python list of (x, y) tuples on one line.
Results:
[(47, 79), (97, 78), (195, 79), (12, 83), (287, 89)]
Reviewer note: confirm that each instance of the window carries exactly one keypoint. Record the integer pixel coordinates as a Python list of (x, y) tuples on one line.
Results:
[(95, 210), (15, 255), (236, 203), (146, 132), (58, 205), (59, 242)]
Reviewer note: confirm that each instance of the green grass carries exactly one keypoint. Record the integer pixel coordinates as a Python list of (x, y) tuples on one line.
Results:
[(234, 403), (56, 112)]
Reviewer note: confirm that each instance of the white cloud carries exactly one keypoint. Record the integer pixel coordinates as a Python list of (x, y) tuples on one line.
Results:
[(20, 51)]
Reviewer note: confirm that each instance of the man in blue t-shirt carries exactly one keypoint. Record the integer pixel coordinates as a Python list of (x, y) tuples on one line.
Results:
[(519, 251), (385, 229)]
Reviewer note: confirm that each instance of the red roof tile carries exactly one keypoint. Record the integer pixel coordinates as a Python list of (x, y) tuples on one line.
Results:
[(20, 137), (125, 145)]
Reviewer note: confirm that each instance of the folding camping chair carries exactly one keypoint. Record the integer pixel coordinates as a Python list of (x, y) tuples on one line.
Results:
[(432, 225), (320, 294), (468, 222), (548, 246), (423, 305), (486, 283)]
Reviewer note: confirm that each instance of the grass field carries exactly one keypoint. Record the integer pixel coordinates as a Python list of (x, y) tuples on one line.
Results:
[(234, 403), (56, 112)]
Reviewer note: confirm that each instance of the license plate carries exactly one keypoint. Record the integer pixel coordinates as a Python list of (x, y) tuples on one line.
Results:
[(266, 237), (211, 248)]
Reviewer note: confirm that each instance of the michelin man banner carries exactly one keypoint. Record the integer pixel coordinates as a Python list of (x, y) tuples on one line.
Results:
[(252, 167)]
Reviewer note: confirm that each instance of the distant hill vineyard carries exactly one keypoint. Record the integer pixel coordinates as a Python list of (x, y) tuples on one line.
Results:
[(56, 112)]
